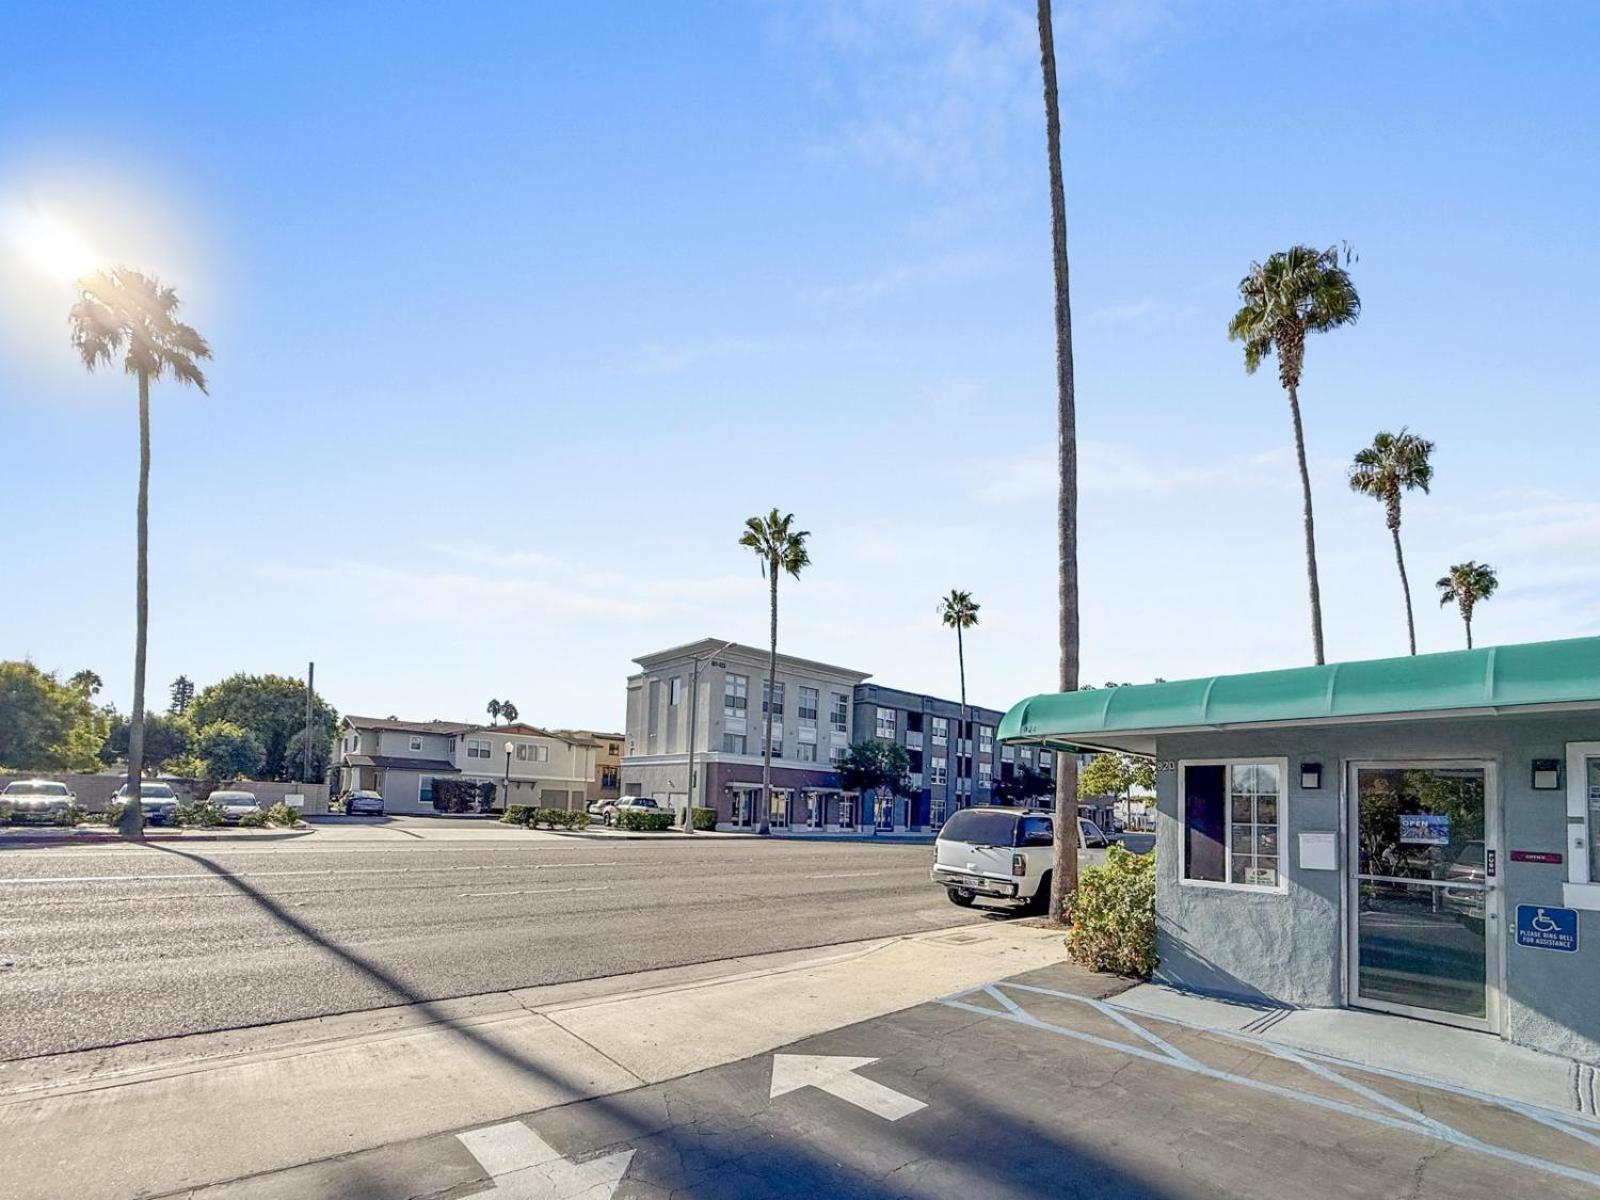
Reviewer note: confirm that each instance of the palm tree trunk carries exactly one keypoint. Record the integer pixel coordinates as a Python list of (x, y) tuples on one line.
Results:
[(772, 696), (1311, 533), (131, 822), (1466, 619), (1064, 872), (1405, 586), (961, 659)]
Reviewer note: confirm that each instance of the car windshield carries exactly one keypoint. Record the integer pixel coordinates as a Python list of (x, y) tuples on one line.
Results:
[(156, 791), (28, 787), (979, 828), (233, 797)]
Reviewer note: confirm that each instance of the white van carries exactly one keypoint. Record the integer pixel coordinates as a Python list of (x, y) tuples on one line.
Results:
[(998, 853)]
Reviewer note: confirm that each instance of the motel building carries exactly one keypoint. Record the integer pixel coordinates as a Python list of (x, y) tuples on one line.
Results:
[(1412, 835)]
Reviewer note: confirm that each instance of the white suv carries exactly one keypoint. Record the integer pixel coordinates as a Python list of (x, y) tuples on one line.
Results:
[(998, 853)]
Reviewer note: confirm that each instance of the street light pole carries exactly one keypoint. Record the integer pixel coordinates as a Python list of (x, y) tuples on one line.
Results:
[(505, 800), (694, 716)]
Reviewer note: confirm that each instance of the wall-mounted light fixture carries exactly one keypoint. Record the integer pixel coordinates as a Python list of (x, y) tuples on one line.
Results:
[(1310, 776), (1546, 774)]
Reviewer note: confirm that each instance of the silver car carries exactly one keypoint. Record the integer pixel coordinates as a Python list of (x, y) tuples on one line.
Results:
[(158, 800), (41, 799), (235, 804)]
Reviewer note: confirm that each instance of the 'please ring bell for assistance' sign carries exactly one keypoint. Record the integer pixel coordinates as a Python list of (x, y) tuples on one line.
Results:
[(1541, 928)]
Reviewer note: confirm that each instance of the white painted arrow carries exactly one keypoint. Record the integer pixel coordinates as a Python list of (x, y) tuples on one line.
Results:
[(525, 1167), (835, 1074)]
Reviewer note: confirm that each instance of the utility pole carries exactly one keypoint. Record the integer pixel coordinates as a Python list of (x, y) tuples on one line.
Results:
[(694, 714), (311, 679)]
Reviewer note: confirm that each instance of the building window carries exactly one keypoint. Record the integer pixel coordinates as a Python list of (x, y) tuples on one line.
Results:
[(1008, 754), (776, 691), (808, 706), (675, 692), (477, 748), (1230, 817), (608, 778), (941, 730), (836, 755), (886, 724), (839, 713), (733, 743), (522, 754), (612, 749), (985, 775), (1583, 823), (806, 751), (425, 790), (986, 739), (527, 753), (416, 742), (735, 695), (777, 744), (936, 768)]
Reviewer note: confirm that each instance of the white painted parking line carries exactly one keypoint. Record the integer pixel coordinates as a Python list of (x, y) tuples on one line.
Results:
[(836, 1075), (523, 1166), (536, 892)]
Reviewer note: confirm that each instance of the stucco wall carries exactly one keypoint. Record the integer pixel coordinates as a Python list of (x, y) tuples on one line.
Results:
[(1290, 948)]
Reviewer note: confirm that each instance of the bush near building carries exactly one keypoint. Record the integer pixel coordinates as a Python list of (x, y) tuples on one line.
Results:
[(202, 814), (705, 818), (530, 817), (643, 822), (1113, 915), (282, 813)]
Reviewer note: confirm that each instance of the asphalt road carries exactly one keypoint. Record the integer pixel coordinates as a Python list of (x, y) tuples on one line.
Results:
[(103, 946)]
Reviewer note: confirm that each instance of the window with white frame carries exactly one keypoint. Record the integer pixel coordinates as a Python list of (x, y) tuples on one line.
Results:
[(1230, 814), (805, 751), (936, 767), (527, 753), (986, 738), (776, 696), (735, 695), (1008, 754), (886, 724), (478, 748), (1047, 759), (985, 774), (808, 705), (733, 743), (675, 692), (839, 712), (777, 743), (836, 755), (1583, 824), (940, 730), (416, 742)]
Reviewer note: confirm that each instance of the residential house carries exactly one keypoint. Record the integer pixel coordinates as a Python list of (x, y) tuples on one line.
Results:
[(607, 781)]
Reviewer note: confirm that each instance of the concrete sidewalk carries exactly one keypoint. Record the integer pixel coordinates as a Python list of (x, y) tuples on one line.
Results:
[(159, 1117)]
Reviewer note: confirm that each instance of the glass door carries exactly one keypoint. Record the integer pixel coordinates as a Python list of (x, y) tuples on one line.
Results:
[(1424, 907), (778, 813)]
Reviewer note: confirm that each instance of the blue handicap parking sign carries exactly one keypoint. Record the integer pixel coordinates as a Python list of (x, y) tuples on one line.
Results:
[(1544, 928)]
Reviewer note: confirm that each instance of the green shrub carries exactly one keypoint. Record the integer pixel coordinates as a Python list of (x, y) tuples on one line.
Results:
[(70, 815), (705, 818), (553, 818), (253, 820), (113, 812), (643, 822), (519, 814), (202, 814), (1113, 915), (282, 813)]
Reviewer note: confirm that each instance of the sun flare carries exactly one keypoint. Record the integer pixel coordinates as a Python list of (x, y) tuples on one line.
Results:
[(50, 245)]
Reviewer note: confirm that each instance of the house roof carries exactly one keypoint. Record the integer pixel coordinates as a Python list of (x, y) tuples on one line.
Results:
[(401, 762), (1495, 679), (787, 662), (392, 723)]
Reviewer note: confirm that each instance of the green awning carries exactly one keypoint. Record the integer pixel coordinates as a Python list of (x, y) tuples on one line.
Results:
[(1494, 678)]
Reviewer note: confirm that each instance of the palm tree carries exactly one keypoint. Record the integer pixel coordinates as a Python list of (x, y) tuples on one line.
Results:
[(1295, 292), (780, 547), (958, 611), (123, 311), (1395, 462), (494, 708), (1064, 871), (1466, 584), (508, 710)]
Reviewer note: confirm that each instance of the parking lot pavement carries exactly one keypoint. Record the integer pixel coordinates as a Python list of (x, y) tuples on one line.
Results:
[(1037, 1087)]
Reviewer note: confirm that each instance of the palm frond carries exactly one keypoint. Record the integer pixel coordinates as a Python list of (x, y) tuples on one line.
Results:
[(125, 308)]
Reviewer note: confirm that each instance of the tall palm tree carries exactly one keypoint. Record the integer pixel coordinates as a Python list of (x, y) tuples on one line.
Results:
[(1465, 585), (494, 708), (1295, 292), (780, 547), (1064, 871), (959, 611), (509, 711), (1395, 462), (124, 312)]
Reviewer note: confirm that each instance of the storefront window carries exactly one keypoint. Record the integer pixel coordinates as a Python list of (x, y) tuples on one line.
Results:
[(1231, 814)]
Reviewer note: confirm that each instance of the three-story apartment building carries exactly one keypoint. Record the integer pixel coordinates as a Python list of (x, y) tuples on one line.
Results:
[(719, 690), (528, 765)]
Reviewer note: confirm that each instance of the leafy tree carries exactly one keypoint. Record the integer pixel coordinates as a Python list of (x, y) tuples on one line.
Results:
[(294, 755), (876, 765), (1064, 872), (508, 710), (494, 708), (228, 750), (780, 547), (124, 312), (1465, 585), (1144, 774), (87, 682), (182, 695), (165, 739), (1022, 786), (1395, 462), (1106, 775), (1295, 292), (273, 707), (959, 611), (186, 766), (46, 725)]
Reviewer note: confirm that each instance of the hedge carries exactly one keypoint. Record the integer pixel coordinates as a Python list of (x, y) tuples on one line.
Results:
[(1114, 915), (705, 818), (640, 821), (283, 814), (202, 814), (555, 818)]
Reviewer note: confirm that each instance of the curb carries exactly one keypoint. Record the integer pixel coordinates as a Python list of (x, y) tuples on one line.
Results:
[(96, 837)]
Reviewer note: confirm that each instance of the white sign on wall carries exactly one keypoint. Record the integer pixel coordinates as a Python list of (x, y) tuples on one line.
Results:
[(1319, 852)]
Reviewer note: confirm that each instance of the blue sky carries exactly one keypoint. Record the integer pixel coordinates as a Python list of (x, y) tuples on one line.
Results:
[(519, 310)]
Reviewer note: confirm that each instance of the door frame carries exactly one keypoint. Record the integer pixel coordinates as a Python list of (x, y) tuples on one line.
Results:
[(1493, 899)]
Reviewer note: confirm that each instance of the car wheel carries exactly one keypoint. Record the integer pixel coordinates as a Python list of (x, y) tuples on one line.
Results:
[(1039, 903), (961, 897)]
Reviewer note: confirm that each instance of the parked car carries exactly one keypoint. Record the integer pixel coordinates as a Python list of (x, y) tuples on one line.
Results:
[(234, 804), (158, 800), (1093, 837), (37, 799), (597, 811), (645, 804), (363, 804), (997, 853), (1468, 868)]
